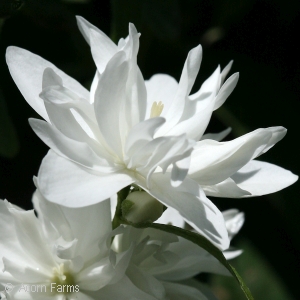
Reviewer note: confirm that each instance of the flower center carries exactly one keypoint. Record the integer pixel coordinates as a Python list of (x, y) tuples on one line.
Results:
[(63, 281), (156, 109)]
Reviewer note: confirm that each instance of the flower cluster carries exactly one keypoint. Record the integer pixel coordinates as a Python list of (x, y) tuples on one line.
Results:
[(144, 141)]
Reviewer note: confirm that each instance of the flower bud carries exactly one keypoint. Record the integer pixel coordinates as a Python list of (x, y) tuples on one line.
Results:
[(140, 207)]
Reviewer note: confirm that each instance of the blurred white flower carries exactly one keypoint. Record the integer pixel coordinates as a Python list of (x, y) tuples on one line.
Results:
[(66, 254), (162, 265), (63, 254)]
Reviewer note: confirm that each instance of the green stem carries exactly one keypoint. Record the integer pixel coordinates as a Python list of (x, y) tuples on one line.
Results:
[(122, 194)]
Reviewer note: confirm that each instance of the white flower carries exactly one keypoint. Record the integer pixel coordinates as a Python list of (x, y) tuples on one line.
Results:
[(40, 257), (163, 263), (222, 169), (211, 164), (66, 254), (107, 139), (126, 130)]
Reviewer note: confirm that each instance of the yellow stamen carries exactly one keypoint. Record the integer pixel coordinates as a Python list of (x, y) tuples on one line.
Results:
[(62, 281), (156, 109)]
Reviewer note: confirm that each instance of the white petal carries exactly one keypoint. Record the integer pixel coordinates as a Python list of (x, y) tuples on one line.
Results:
[(96, 276), (213, 162), (193, 206), (171, 216), (278, 133), (63, 119), (113, 205), (66, 250), (179, 170), (31, 239), (124, 289), (94, 86), (160, 87), (51, 217), (191, 261), (9, 243), (226, 90), (131, 46), (190, 70), (109, 95), (24, 273), (136, 97), (6, 277), (78, 152), (51, 78), (64, 182), (141, 134), (134, 108), (146, 282), (225, 71), (216, 136), (81, 295), (27, 70), (58, 93), (176, 291), (122, 261), (191, 265), (187, 79), (68, 223), (234, 221), (198, 108), (231, 254), (227, 189), (102, 49), (195, 126), (163, 152), (261, 178), (210, 85), (72, 116), (85, 28)]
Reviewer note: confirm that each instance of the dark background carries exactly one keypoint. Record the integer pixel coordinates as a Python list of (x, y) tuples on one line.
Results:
[(261, 37)]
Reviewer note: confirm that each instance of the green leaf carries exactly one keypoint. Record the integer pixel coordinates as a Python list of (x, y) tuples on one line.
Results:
[(201, 242), (9, 144)]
